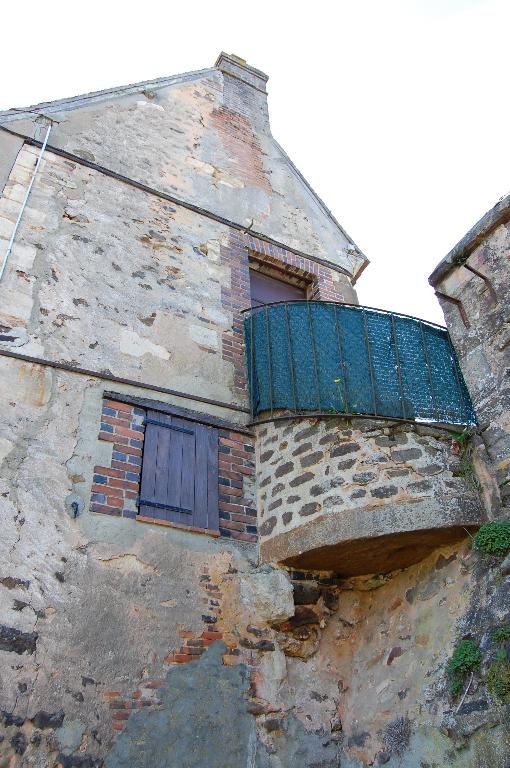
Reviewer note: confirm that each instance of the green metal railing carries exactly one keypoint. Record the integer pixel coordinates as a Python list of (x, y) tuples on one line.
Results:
[(323, 357)]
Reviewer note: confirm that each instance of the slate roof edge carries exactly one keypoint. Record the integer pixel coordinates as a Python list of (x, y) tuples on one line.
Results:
[(73, 102), (497, 215)]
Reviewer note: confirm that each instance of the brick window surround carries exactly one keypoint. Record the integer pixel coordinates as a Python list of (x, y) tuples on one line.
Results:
[(242, 251), (116, 488)]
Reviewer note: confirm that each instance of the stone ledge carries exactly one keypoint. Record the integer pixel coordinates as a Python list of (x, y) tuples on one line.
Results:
[(376, 540)]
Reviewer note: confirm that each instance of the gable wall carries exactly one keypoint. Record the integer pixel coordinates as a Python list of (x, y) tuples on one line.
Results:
[(207, 141)]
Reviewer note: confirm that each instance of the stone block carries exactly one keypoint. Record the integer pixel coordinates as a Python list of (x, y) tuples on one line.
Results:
[(268, 593)]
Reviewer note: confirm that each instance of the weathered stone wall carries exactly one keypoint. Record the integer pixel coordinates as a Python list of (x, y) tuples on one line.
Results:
[(369, 659), (109, 278), (204, 137), (124, 643), (112, 279), (93, 609), (483, 346), (359, 496), (101, 616)]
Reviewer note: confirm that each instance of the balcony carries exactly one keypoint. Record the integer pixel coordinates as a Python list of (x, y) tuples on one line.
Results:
[(325, 358), (354, 409)]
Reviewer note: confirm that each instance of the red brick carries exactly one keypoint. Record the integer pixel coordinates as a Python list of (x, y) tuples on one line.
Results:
[(125, 466), (230, 443), (129, 433), (125, 484), (118, 704), (102, 509), (109, 438), (114, 501), (129, 449), (108, 471), (195, 643), (183, 658), (241, 438), (244, 470), (242, 454), (232, 526), (192, 650), (243, 519), (228, 490), (225, 506), (118, 406), (116, 421), (232, 475)]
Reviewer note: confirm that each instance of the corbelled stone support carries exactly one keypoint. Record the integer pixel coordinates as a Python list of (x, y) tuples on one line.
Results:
[(360, 496)]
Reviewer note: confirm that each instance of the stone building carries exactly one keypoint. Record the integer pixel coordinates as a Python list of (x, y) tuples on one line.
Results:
[(234, 527)]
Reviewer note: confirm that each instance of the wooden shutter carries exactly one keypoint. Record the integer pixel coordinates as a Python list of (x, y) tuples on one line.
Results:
[(180, 471)]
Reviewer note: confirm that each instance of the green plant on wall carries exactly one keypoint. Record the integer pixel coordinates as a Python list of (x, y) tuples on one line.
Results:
[(501, 634), (466, 658), (462, 443), (493, 538), (498, 678)]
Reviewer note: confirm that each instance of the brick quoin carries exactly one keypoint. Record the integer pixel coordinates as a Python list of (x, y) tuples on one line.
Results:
[(236, 465), (116, 489)]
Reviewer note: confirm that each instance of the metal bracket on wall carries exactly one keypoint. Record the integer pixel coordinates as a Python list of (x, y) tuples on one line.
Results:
[(490, 287), (457, 303)]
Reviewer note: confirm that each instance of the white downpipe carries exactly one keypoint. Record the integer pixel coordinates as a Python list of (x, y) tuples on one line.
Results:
[(24, 203)]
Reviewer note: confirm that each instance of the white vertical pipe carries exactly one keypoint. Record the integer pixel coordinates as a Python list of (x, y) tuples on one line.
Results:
[(24, 203)]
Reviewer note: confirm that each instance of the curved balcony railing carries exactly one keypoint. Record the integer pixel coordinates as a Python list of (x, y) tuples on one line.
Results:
[(328, 358)]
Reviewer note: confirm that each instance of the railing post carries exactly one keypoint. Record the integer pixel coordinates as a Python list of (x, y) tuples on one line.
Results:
[(291, 358), (270, 363), (317, 382), (453, 359), (370, 366), (399, 372), (252, 370), (342, 360), (429, 370)]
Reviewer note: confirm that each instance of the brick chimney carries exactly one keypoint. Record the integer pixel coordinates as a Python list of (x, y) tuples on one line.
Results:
[(233, 65), (244, 91)]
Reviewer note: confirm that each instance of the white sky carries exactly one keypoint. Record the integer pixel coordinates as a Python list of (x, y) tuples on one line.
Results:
[(396, 111)]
